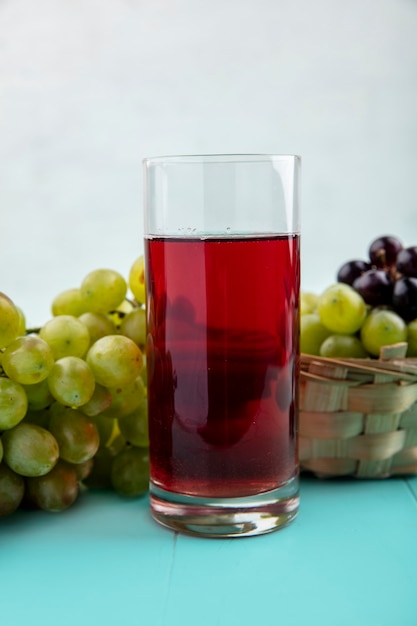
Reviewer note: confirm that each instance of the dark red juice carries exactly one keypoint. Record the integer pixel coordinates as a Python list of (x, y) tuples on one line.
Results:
[(222, 363)]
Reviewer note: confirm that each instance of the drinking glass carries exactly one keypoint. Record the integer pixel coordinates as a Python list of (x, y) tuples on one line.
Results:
[(222, 259)]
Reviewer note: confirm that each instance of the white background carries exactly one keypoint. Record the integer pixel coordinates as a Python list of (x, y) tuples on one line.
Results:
[(88, 88)]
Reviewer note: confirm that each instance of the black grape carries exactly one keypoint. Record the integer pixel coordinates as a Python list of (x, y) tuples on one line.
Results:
[(383, 251), (351, 270), (404, 297), (375, 287), (407, 261)]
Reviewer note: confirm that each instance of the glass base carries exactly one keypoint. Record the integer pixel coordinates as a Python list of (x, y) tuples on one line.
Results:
[(226, 517)]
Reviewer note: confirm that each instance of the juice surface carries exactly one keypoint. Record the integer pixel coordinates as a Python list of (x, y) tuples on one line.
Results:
[(222, 363)]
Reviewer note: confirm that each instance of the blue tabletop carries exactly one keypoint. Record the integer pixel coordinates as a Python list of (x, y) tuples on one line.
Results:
[(350, 558)]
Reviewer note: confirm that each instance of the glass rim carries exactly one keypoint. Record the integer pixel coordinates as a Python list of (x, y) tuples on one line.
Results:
[(220, 158)]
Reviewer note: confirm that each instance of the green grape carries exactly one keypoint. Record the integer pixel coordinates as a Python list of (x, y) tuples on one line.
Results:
[(312, 333), (103, 290), (99, 401), (71, 381), (117, 315), (12, 489), (115, 360), (82, 470), (39, 396), (125, 399), (136, 280), (308, 302), (382, 328), (105, 428), (22, 323), (144, 372), (341, 309), (345, 346), (133, 325), (117, 443), (68, 302), (28, 360), (100, 475), (98, 325), (412, 338), (9, 320), (13, 403), (66, 336), (77, 436), (134, 427), (55, 491), (59, 409), (29, 449), (130, 471)]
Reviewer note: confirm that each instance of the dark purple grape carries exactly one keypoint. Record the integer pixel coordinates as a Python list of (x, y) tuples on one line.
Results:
[(351, 270), (375, 287), (407, 261), (404, 298), (383, 251)]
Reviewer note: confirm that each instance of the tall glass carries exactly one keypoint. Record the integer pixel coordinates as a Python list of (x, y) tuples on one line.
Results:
[(222, 264)]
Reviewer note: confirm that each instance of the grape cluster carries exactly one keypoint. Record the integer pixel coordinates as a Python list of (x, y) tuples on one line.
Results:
[(372, 304), (73, 402), (388, 278)]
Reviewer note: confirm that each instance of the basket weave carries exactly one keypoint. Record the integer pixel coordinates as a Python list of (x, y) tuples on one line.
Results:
[(358, 417)]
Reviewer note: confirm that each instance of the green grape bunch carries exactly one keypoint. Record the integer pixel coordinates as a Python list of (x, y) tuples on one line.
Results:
[(73, 398)]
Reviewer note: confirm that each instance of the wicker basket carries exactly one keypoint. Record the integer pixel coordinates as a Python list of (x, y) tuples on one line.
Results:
[(358, 417)]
